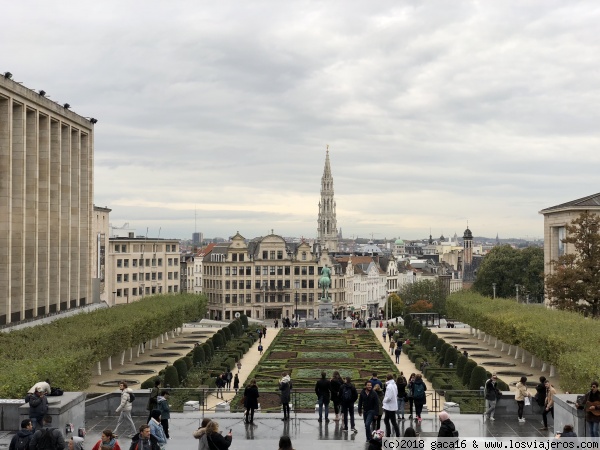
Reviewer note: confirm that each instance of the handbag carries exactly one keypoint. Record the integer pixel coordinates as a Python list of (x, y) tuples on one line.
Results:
[(527, 401)]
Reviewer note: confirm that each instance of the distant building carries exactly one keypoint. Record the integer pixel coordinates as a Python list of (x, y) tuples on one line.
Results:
[(46, 195), (327, 232), (197, 239)]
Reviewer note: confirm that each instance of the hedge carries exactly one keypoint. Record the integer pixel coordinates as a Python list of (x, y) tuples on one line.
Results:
[(67, 349), (171, 377), (468, 369), (565, 339), (478, 378)]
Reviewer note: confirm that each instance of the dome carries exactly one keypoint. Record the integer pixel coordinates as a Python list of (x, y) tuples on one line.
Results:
[(399, 242), (468, 234)]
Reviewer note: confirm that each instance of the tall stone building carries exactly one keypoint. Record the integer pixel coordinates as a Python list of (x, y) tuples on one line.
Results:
[(327, 223), (46, 192)]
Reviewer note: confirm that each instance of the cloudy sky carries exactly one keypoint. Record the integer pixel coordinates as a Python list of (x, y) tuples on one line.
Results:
[(436, 113)]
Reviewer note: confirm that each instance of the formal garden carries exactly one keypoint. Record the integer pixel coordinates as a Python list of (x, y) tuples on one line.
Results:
[(305, 353)]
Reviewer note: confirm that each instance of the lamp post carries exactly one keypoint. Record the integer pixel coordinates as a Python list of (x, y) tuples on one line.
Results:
[(297, 286), (494, 288), (517, 286)]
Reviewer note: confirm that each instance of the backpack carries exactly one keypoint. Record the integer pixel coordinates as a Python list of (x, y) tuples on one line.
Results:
[(346, 394), (419, 390), (47, 440), (131, 397), (455, 434), (23, 442)]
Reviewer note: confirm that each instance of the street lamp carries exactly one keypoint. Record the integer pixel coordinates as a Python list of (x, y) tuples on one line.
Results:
[(494, 288), (297, 286), (517, 286)]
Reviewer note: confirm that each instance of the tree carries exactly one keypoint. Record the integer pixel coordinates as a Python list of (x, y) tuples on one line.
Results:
[(574, 284), (433, 291), (507, 267), (397, 305), (420, 306)]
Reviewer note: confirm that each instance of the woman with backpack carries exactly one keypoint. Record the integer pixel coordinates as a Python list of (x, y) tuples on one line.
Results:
[(401, 384), (418, 389), (409, 394)]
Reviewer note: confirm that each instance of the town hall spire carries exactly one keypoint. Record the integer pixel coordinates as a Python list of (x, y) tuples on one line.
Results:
[(327, 222)]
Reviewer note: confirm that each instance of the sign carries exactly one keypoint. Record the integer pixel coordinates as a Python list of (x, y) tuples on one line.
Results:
[(237, 315), (363, 308)]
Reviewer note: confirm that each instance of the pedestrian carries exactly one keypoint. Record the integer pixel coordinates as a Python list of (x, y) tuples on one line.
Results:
[(397, 353), (323, 391), (75, 443), (384, 334), (260, 349), (265, 331), (285, 443), (239, 366), (390, 406), (521, 396), (220, 383), (107, 439), (368, 407), (447, 428), (549, 404), (144, 440), (419, 389), (409, 395), (378, 416), (124, 410), (38, 406), (592, 417), (228, 378), (236, 383), (21, 439), (260, 334), (392, 345), (491, 397), (348, 395), (275, 323), (375, 381), (336, 384), (540, 393), (156, 428), (47, 433), (153, 400), (250, 400), (165, 411), (401, 385), (285, 386)]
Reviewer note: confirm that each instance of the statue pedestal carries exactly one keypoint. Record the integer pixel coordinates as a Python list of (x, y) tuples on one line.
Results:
[(325, 311)]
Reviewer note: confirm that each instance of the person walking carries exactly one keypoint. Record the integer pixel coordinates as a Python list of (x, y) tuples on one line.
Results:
[(48, 434), (323, 391), (419, 389), (153, 400), (165, 412), (520, 397), (491, 397), (379, 413), (384, 334), (409, 395), (251, 400), (285, 386), (107, 439), (390, 406), (540, 393), (156, 428), (348, 395), (228, 378), (392, 345), (447, 428), (336, 384), (549, 404), (368, 407), (124, 410), (236, 383), (398, 353), (21, 439), (401, 384)]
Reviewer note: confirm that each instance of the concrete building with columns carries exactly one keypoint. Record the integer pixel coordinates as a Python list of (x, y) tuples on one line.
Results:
[(46, 194)]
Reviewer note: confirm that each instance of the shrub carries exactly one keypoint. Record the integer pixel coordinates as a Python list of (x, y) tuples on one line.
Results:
[(218, 340), (198, 355), (451, 357), (425, 336), (460, 365), (149, 383), (442, 353), (407, 321), (469, 366), (439, 343), (244, 321), (171, 377), (227, 334), (189, 362), (432, 341), (478, 378), (182, 369)]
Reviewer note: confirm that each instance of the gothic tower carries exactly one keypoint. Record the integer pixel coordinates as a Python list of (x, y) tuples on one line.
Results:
[(468, 274), (327, 223)]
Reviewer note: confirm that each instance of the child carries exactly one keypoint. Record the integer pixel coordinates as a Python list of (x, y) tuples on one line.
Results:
[(260, 349)]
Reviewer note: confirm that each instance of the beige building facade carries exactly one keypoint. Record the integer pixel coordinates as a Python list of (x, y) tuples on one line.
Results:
[(46, 195)]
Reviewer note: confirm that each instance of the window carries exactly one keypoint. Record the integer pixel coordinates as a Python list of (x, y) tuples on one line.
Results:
[(119, 293), (272, 298), (147, 291), (248, 298), (272, 270), (287, 284), (303, 256), (304, 270), (153, 262), (168, 290), (169, 275), (311, 297), (241, 257), (175, 275), (304, 298), (561, 246), (126, 292), (287, 298), (279, 298), (234, 298), (147, 277), (249, 284), (249, 271), (153, 276), (272, 254), (279, 270), (134, 262), (117, 248), (311, 270), (287, 270), (303, 284), (279, 254), (296, 270), (311, 283), (257, 284), (126, 277), (134, 277), (265, 270), (134, 291), (256, 270), (159, 262), (227, 298), (160, 275), (234, 270), (147, 262), (119, 278), (234, 284), (227, 270), (169, 261), (265, 254), (125, 263), (257, 298), (124, 248), (119, 263), (141, 262)]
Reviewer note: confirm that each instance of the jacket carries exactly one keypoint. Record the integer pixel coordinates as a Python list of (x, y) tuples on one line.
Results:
[(390, 400), (157, 431), (113, 443), (38, 406), (353, 394), (200, 434), (368, 401), (521, 392), (77, 443), (251, 395), (401, 385), (413, 384), (335, 389), (285, 386), (446, 429), (152, 400), (323, 389), (540, 396), (591, 397), (125, 404), (57, 437), (490, 390), (163, 407), (136, 439), (24, 434), (217, 442)]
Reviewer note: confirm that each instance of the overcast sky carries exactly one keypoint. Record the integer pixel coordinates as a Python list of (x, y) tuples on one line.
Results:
[(436, 113)]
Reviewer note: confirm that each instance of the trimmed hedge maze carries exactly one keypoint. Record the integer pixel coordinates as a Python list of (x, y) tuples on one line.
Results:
[(305, 353)]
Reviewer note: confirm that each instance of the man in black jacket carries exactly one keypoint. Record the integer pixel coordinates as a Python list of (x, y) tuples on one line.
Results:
[(23, 436), (47, 436), (323, 391), (38, 407), (368, 404), (348, 396), (144, 440)]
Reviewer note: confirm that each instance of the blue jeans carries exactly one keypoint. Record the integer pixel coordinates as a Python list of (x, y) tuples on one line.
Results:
[(322, 402), (368, 417), (593, 428), (401, 403)]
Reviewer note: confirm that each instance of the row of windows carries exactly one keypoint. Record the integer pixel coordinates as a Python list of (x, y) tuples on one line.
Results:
[(280, 298), (258, 270), (272, 284), (266, 254), (148, 262), (122, 248), (154, 276), (144, 291)]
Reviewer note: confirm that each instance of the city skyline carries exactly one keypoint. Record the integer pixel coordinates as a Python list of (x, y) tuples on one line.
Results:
[(220, 114)]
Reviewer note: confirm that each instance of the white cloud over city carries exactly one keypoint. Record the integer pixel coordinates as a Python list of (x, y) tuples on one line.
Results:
[(436, 113)]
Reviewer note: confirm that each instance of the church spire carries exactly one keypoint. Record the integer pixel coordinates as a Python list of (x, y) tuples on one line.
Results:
[(327, 222)]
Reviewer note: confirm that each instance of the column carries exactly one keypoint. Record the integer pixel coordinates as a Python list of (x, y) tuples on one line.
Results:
[(55, 257), (74, 236), (43, 231), (17, 227), (5, 210), (65, 217)]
